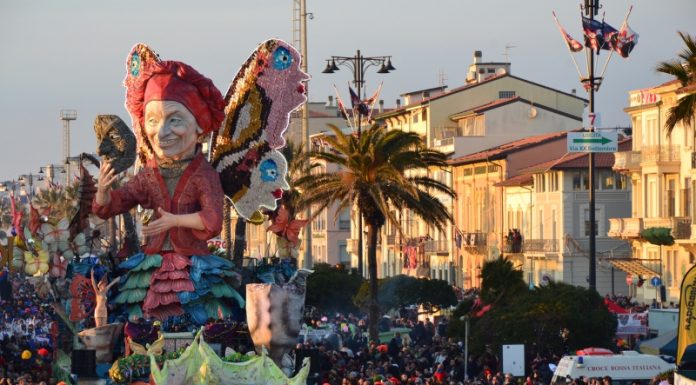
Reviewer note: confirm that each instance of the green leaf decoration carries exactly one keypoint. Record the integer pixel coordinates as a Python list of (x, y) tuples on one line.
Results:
[(661, 236)]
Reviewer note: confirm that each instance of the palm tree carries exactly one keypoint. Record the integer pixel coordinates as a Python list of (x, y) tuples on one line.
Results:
[(377, 170), (683, 69)]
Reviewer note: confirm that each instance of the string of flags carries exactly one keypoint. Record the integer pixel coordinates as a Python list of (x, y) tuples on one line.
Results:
[(600, 35)]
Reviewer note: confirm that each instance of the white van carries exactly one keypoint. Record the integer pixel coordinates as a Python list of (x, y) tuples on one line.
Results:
[(622, 368)]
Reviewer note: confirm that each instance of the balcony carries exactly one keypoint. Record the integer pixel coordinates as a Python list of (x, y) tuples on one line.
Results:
[(627, 161), (444, 145), (391, 239), (541, 246), (660, 155), (352, 246), (437, 246), (625, 228), (680, 226)]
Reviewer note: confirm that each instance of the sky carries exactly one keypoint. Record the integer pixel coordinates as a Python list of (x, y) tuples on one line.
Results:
[(70, 54)]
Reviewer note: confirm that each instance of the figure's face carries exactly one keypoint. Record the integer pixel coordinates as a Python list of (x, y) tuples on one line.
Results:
[(268, 180), (284, 63), (171, 129), (116, 142)]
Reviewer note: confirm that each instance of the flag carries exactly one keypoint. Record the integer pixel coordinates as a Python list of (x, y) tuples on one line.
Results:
[(342, 109), (686, 327), (593, 30), (358, 104), (609, 35), (625, 40), (573, 45)]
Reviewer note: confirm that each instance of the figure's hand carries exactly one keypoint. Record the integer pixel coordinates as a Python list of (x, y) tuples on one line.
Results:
[(107, 176), (165, 222)]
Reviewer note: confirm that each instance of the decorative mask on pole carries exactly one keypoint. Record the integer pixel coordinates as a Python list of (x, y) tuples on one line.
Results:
[(115, 142)]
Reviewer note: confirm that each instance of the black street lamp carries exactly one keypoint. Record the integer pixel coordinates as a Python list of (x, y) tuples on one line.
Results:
[(358, 64)]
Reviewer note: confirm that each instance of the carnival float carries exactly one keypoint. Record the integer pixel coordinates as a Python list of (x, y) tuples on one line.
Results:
[(166, 179)]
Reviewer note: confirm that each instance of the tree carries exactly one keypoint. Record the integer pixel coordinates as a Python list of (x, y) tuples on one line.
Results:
[(552, 319), (683, 68), (430, 295), (377, 169), (332, 288), (500, 280)]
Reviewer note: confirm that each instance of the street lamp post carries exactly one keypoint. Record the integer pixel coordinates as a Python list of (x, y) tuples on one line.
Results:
[(358, 64)]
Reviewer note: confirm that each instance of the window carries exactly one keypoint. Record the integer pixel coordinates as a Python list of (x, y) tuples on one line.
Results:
[(415, 118), (581, 180), (608, 180), (621, 181), (424, 115), (506, 94), (553, 181), (491, 70), (472, 126), (586, 222)]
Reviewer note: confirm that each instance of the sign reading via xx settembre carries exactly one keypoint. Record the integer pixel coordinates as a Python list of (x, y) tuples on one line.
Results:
[(606, 141)]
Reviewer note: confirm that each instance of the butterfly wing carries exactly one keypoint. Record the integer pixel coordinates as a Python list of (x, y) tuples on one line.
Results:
[(293, 230), (83, 298), (267, 88), (48, 232), (280, 222)]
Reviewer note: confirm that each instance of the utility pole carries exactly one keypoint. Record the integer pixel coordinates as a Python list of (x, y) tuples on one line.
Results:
[(591, 10), (358, 64)]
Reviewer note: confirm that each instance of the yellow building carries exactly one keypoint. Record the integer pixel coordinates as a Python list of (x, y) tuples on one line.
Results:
[(662, 169)]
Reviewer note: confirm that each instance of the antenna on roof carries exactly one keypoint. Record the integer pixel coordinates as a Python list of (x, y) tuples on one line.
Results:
[(507, 52), (441, 77)]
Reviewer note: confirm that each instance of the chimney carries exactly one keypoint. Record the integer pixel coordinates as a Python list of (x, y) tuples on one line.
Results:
[(398, 103), (329, 103), (477, 56), (381, 106)]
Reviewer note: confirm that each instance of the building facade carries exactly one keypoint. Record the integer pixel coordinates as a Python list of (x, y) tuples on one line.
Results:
[(662, 173)]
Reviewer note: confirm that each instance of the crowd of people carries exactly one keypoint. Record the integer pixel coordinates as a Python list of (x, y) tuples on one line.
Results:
[(26, 342), (420, 355), (415, 352)]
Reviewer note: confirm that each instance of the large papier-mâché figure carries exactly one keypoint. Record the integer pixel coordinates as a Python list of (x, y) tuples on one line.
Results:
[(173, 108)]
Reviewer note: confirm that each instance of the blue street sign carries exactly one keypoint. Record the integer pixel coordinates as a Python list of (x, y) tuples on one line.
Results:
[(656, 281)]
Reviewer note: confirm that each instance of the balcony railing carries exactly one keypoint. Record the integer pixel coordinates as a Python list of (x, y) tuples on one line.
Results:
[(474, 239), (541, 245), (437, 246), (627, 161), (352, 246), (391, 239), (680, 226), (660, 154), (625, 228)]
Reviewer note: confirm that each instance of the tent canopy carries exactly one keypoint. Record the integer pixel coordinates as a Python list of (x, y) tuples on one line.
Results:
[(666, 344)]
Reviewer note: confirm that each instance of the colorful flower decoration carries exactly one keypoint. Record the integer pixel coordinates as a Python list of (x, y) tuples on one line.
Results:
[(59, 266), (56, 237), (78, 247), (36, 262)]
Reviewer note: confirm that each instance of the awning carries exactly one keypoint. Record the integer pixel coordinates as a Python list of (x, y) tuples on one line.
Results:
[(632, 266)]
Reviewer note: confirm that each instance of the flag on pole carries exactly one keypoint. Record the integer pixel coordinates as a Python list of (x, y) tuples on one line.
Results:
[(358, 104), (370, 102), (593, 31), (609, 35), (626, 39), (573, 45)]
